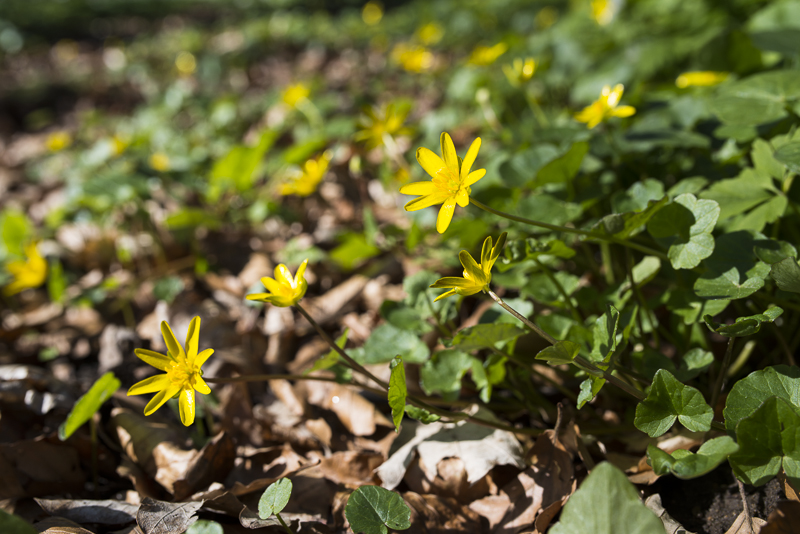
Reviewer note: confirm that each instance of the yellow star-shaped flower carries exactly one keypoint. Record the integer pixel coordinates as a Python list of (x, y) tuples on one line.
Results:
[(183, 374), (27, 274), (451, 180), (303, 182), (284, 290), (605, 107), (477, 276)]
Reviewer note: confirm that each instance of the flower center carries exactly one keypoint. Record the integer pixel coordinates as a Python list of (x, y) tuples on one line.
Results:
[(180, 373), (446, 180)]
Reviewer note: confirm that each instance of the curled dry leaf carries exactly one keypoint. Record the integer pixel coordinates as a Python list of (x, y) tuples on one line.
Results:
[(60, 525), (351, 468), (671, 526), (746, 524), (31, 468), (159, 517), (785, 519), (105, 512)]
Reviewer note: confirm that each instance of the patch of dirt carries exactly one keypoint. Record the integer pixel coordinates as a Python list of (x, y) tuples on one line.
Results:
[(711, 503)]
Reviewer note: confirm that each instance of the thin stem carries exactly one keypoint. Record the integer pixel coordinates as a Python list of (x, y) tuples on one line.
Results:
[(748, 518), (544, 335), (350, 361), (608, 266), (568, 230), (549, 274), (283, 524), (720, 382)]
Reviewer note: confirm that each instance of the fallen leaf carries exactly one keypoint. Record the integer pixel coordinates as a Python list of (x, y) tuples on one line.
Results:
[(35, 467), (742, 526), (350, 468), (106, 512), (212, 463), (60, 525), (355, 412), (440, 515), (785, 519), (159, 517), (670, 525)]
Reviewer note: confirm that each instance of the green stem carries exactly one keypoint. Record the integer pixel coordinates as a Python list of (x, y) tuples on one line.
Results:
[(720, 382), (549, 274), (568, 230), (608, 266), (544, 335), (283, 524)]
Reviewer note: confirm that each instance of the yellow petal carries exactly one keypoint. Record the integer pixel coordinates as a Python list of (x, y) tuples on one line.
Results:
[(623, 111), (186, 406), (273, 286), (258, 296), (159, 361), (449, 152), (471, 267), (429, 161), (193, 338), (160, 398), (149, 385), (445, 214), (299, 277), (462, 198), (469, 159), (175, 349), (201, 358), (419, 188), (200, 385), (446, 294), (452, 281), (283, 275), (474, 176), (425, 201), (486, 251)]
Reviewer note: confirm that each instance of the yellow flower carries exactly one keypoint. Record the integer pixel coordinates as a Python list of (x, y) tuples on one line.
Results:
[(185, 63), (57, 141), (486, 55), (283, 289), (477, 276), (372, 13), (378, 122), (159, 161), (603, 11), (704, 78), (305, 181), (27, 274), (520, 71), (451, 180), (118, 144), (183, 374), (294, 94), (605, 107), (430, 33), (413, 58)]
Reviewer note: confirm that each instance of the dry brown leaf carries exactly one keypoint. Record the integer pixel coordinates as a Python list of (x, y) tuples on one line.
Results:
[(213, 462), (788, 490), (321, 430), (450, 481), (350, 468), (106, 512), (60, 525), (493, 508), (742, 526), (327, 307), (433, 514), (670, 525), (785, 519), (159, 517), (549, 513), (355, 412), (257, 469), (35, 467)]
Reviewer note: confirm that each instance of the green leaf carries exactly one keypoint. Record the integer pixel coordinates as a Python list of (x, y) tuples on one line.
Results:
[(772, 251), (564, 168), (589, 389), (56, 281), (168, 288), (387, 340), (332, 358), (88, 404), (205, 526), (421, 414), (748, 393), (16, 231), (553, 247), (374, 510), (685, 226), (444, 371), (758, 99), (397, 391), (353, 250), (669, 400), (768, 439), (623, 225), (483, 336), (275, 498), (560, 353), (606, 503), (13, 524), (786, 274), (684, 304), (743, 326), (733, 272), (789, 155), (604, 334), (740, 194), (236, 169), (192, 218), (764, 160), (686, 465)]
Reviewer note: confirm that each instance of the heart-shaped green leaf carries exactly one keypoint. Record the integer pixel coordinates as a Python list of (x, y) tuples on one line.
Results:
[(275, 498), (560, 353), (374, 510), (669, 400), (786, 274), (685, 226), (751, 391), (684, 464)]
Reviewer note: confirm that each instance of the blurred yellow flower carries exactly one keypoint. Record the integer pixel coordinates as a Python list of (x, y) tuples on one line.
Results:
[(380, 121), (605, 107), (304, 182), (477, 276), (705, 78), (283, 289), (186, 63), (603, 11), (159, 161), (451, 180), (120, 143), (372, 13), (520, 71), (183, 374), (413, 58), (58, 141), (486, 55), (28, 273), (430, 33), (294, 94)]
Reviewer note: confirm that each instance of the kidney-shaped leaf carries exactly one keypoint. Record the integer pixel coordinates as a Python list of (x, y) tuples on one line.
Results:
[(275, 498), (87, 405), (606, 503), (789, 155), (750, 392), (684, 464), (685, 227), (786, 274), (374, 510), (669, 400)]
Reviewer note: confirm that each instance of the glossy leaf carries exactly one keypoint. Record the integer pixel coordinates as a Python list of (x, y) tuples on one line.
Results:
[(667, 401), (786, 274), (374, 510), (421, 414), (275, 498), (751, 391), (397, 391), (560, 353), (685, 227), (88, 404), (685, 464)]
